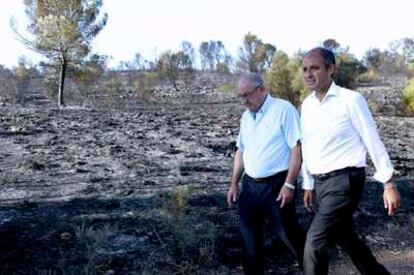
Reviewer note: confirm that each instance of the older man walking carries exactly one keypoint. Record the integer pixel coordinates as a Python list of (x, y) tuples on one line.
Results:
[(269, 154)]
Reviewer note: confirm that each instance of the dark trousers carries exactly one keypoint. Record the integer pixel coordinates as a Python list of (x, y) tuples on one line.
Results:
[(257, 204), (337, 198)]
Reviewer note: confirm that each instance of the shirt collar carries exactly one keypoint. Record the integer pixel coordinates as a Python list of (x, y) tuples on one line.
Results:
[(264, 108), (332, 91)]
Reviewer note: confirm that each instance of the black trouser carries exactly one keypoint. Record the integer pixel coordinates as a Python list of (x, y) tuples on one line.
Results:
[(258, 203), (337, 198)]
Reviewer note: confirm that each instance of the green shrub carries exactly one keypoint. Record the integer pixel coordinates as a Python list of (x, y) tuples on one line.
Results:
[(112, 87), (408, 97), (284, 79), (223, 68), (8, 85), (189, 242), (367, 77), (411, 69), (144, 84), (348, 69), (227, 88)]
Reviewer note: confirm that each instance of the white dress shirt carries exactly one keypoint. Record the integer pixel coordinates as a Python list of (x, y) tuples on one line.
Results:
[(267, 136), (337, 133)]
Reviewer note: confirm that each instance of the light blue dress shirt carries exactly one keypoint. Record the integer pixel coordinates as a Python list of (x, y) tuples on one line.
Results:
[(267, 136)]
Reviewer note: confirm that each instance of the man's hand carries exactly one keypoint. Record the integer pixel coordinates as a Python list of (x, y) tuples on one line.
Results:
[(232, 195), (308, 199), (285, 195), (392, 199)]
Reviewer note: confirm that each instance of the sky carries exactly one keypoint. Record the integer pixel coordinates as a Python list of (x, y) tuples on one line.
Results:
[(151, 27)]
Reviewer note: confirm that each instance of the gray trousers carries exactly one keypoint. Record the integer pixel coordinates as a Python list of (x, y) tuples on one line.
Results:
[(337, 198)]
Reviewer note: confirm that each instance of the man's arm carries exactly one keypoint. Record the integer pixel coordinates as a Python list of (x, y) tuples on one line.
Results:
[(364, 124), (291, 131), (286, 193), (307, 179), (294, 166), (307, 186), (237, 172)]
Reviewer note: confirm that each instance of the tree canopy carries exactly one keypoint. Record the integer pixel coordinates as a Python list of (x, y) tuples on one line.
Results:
[(62, 31)]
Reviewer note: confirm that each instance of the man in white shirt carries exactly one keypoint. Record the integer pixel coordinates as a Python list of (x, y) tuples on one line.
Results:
[(337, 130), (269, 154)]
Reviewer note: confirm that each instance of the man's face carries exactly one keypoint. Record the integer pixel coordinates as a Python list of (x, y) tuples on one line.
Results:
[(317, 77), (251, 96)]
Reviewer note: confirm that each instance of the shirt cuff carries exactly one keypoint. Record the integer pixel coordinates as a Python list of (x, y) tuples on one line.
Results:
[(383, 175), (384, 171), (293, 144), (308, 182)]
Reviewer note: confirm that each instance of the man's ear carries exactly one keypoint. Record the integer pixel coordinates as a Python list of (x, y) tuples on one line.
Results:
[(332, 70), (262, 88)]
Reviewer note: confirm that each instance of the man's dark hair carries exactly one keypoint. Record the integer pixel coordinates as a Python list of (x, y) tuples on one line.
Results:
[(327, 55)]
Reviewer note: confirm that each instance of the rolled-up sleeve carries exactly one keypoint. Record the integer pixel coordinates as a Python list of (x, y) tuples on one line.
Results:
[(239, 141), (291, 126)]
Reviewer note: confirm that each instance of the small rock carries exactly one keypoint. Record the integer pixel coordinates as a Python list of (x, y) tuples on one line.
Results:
[(66, 237)]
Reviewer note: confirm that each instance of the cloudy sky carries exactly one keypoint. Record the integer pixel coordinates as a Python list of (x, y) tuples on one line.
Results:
[(153, 26)]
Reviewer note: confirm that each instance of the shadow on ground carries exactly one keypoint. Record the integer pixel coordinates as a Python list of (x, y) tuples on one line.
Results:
[(186, 231)]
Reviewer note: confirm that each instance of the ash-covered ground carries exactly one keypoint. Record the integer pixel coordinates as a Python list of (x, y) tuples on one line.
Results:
[(141, 189)]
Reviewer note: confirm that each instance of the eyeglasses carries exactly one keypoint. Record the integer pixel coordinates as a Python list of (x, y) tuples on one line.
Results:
[(248, 94)]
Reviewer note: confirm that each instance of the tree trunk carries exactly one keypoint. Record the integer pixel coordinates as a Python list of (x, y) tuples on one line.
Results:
[(62, 83)]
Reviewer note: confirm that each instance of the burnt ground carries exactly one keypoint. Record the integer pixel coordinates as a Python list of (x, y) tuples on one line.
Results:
[(141, 190)]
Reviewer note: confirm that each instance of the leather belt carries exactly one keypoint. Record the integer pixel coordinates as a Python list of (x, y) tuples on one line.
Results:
[(325, 176), (267, 179)]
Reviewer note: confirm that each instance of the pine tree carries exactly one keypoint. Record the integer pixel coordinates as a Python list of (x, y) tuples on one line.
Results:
[(62, 31)]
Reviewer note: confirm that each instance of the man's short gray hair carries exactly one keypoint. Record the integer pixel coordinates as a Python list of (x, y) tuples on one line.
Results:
[(252, 78)]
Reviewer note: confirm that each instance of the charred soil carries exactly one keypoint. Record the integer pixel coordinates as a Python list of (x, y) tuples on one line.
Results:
[(141, 190)]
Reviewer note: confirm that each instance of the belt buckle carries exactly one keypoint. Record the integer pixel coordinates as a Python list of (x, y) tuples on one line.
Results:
[(322, 177)]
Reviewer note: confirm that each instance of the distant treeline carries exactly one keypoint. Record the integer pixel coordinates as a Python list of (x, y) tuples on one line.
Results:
[(282, 73), (63, 31)]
